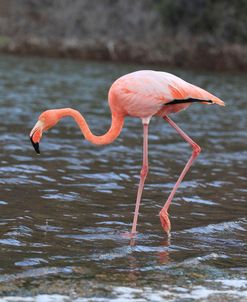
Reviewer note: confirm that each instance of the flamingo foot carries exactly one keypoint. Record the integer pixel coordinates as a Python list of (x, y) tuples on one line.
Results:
[(165, 221)]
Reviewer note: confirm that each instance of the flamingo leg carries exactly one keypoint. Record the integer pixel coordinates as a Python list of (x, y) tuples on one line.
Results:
[(165, 222), (143, 175)]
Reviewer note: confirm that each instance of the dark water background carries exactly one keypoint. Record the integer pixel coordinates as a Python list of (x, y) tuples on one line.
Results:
[(63, 213)]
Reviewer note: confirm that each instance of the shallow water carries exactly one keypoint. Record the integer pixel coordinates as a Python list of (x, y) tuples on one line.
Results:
[(64, 213)]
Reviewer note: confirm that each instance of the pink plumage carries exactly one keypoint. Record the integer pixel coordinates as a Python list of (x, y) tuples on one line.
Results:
[(144, 93)]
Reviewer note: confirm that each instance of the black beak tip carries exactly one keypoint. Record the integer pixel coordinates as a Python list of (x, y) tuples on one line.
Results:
[(35, 145)]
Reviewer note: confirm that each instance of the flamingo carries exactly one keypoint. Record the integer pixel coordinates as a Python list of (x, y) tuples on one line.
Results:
[(142, 94)]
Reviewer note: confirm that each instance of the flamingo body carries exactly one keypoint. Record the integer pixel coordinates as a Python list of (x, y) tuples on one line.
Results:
[(147, 93), (141, 94)]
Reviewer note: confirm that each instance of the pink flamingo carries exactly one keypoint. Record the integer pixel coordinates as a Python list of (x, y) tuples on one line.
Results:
[(141, 94)]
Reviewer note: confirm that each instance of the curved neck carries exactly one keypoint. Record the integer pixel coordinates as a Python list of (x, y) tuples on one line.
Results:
[(114, 131)]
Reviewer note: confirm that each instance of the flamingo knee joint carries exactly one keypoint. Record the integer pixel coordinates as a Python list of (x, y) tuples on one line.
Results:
[(144, 171), (197, 149)]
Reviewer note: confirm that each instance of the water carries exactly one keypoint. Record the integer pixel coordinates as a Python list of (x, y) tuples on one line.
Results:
[(64, 213)]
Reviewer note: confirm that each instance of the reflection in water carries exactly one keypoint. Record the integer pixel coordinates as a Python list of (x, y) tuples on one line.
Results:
[(63, 213), (164, 256)]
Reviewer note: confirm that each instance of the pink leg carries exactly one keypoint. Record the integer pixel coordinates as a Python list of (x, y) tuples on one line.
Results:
[(196, 150), (143, 175)]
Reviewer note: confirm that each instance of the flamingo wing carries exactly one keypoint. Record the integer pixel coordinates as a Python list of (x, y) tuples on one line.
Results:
[(184, 92)]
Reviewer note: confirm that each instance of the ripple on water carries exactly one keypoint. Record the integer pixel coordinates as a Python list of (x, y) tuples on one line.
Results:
[(197, 199), (31, 262), (49, 228), (20, 231), (64, 197), (229, 227), (165, 293), (10, 241), (80, 198)]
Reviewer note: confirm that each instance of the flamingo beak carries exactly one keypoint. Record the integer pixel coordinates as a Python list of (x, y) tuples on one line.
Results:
[(35, 136), (35, 145)]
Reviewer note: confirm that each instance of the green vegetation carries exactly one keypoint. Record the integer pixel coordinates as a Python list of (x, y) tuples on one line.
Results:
[(4, 41), (224, 20)]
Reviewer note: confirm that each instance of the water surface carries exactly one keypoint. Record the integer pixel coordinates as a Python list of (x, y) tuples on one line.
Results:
[(64, 213)]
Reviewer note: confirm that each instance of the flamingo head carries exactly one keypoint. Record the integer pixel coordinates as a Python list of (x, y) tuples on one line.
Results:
[(165, 221), (46, 120)]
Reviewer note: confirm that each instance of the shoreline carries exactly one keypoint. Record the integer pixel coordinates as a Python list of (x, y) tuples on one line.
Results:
[(228, 57)]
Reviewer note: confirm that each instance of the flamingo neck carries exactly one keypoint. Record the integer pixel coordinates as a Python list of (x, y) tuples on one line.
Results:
[(114, 131)]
